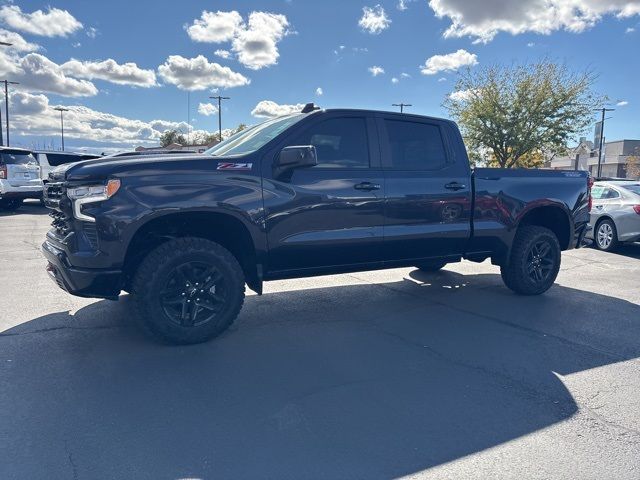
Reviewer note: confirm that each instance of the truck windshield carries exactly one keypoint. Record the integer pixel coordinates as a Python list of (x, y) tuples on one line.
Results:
[(16, 157), (252, 138)]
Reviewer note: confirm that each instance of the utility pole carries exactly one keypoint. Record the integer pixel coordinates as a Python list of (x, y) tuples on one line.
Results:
[(401, 105), (6, 105), (4, 44), (61, 110), (604, 110), (219, 98)]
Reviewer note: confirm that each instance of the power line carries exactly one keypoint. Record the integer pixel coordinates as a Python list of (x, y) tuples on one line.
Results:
[(220, 98), (401, 105)]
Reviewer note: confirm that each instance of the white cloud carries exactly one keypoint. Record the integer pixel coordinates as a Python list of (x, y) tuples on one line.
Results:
[(19, 44), (110, 71), (483, 20), (405, 75), (256, 46), (449, 62), (270, 109), (630, 30), (461, 95), (255, 42), (375, 70), (36, 72), (374, 20), (442, 79), (215, 27), (199, 74), (34, 116), (226, 54), (207, 109), (395, 80), (52, 23), (92, 32), (622, 103), (319, 92)]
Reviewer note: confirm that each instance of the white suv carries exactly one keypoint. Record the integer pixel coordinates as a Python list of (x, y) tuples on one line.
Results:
[(19, 177)]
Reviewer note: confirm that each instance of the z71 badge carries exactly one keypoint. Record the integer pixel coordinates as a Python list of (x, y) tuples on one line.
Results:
[(234, 166)]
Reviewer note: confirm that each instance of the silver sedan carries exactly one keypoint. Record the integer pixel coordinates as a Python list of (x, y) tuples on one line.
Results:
[(615, 215)]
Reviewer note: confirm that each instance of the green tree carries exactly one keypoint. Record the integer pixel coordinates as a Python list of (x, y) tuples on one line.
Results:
[(511, 115), (172, 136)]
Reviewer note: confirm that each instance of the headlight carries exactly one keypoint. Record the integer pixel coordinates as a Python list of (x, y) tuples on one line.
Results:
[(91, 194), (94, 191)]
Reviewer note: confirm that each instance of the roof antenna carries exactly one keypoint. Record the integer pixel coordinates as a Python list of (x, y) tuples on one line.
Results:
[(310, 107)]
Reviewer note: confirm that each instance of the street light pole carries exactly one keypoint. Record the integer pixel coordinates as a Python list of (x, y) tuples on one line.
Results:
[(401, 105), (604, 111), (219, 98), (6, 105), (61, 110)]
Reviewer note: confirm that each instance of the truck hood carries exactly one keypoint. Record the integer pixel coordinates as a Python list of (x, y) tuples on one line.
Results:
[(103, 168)]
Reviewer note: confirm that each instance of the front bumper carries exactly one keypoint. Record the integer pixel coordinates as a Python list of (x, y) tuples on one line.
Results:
[(93, 283)]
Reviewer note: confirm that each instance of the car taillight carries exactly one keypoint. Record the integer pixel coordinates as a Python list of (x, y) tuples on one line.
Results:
[(589, 185), (3, 171), (636, 208)]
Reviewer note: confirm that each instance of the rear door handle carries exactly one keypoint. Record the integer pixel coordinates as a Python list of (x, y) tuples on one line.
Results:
[(455, 186), (366, 186)]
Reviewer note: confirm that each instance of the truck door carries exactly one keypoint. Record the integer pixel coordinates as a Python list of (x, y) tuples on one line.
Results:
[(428, 189), (331, 214)]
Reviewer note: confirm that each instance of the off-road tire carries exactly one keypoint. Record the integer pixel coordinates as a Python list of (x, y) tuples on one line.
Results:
[(515, 273), (155, 271)]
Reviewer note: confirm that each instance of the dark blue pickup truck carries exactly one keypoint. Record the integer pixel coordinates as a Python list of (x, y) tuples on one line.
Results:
[(318, 192)]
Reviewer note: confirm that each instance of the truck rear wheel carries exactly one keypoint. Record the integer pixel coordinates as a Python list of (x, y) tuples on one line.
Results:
[(534, 262), (188, 290)]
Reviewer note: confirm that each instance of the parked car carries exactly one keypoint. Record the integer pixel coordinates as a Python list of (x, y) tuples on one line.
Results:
[(48, 160), (319, 192), (19, 177), (615, 214)]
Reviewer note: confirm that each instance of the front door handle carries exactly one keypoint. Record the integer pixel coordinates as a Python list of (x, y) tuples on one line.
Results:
[(367, 186), (455, 186)]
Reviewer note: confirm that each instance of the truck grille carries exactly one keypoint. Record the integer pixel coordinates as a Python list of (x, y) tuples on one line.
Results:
[(53, 193), (61, 223)]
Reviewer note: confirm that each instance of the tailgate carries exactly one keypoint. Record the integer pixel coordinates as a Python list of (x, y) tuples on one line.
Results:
[(24, 175)]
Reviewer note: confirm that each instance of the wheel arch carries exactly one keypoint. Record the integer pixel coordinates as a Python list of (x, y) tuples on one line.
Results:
[(220, 226), (553, 216)]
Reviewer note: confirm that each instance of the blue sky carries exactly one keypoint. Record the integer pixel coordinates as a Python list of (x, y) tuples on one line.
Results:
[(283, 53)]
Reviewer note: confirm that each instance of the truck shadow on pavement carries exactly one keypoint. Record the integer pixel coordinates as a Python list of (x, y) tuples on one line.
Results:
[(356, 381)]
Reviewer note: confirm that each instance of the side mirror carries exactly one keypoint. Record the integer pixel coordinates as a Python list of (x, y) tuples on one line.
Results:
[(298, 156)]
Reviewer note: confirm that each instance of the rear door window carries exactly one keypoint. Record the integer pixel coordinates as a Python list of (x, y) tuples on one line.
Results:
[(415, 145)]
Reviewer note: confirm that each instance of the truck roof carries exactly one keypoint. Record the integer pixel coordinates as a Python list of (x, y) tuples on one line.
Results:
[(385, 112)]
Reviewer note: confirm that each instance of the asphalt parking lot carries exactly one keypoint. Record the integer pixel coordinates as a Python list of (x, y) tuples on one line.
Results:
[(370, 375)]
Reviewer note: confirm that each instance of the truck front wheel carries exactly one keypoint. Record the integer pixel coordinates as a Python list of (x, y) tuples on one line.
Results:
[(534, 262), (188, 290)]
